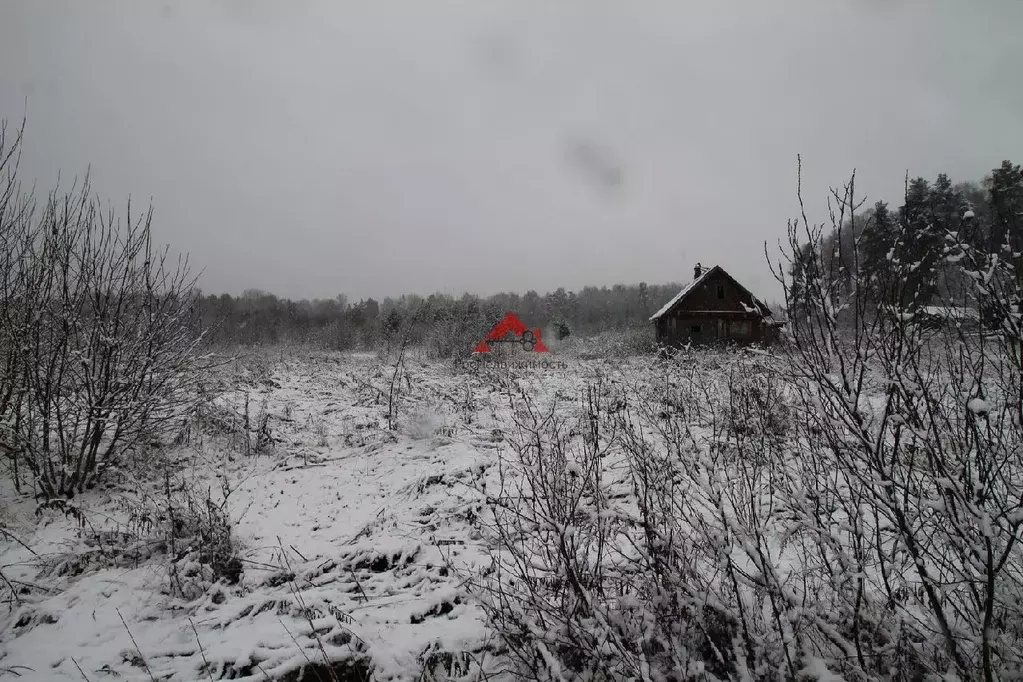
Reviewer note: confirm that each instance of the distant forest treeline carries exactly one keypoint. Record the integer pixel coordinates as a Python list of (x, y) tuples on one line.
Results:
[(988, 214), (447, 324)]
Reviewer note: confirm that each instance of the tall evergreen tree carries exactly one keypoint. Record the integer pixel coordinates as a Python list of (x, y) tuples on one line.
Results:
[(920, 246), (644, 299), (1005, 191), (877, 241), (975, 227), (802, 269), (1005, 195), (946, 208)]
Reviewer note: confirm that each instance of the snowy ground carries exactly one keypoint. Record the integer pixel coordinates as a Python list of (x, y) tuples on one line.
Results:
[(351, 535)]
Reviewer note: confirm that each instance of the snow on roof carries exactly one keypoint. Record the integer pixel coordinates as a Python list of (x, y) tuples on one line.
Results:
[(759, 308), (685, 291)]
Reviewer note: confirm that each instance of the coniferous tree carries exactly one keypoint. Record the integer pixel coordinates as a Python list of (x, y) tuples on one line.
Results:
[(975, 226), (1005, 191), (920, 246), (946, 209), (802, 268), (945, 206), (877, 244), (1004, 194)]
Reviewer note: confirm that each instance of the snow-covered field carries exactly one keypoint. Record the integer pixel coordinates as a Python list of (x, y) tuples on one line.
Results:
[(351, 534), (332, 511)]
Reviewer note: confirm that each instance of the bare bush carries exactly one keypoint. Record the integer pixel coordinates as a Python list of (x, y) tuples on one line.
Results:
[(847, 509), (186, 525), (610, 550), (98, 336), (615, 344), (920, 431)]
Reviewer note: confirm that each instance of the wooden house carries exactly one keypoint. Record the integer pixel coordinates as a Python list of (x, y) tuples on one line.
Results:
[(714, 309)]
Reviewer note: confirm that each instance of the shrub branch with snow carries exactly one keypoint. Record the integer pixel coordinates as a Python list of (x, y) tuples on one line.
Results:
[(98, 338), (849, 508)]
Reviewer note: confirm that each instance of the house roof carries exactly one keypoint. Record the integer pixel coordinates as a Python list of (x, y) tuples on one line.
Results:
[(695, 284)]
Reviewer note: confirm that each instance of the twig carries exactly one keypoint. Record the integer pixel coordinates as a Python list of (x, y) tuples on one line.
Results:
[(8, 534), (209, 670), (13, 670), (398, 366), (305, 609), (84, 676), (293, 639), (137, 649), (10, 586), (266, 676)]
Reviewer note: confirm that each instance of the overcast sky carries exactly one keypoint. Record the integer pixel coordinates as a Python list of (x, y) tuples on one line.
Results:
[(312, 147)]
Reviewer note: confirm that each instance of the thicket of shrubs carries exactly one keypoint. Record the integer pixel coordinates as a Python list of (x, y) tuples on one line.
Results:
[(846, 509)]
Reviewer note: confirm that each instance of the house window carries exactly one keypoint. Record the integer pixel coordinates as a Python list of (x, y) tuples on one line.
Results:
[(721, 292), (695, 329)]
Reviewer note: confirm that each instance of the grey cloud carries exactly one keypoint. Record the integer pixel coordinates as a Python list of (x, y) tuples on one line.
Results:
[(318, 147)]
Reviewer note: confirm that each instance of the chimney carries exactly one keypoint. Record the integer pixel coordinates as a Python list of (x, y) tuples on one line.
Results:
[(697, 271)]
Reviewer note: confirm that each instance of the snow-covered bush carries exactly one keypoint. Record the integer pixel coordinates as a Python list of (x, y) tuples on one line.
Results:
[(608, 547), (199, 541), (848, 509), (758, 400), (615, 344), (184, 526), (98, 336), (913, 456)]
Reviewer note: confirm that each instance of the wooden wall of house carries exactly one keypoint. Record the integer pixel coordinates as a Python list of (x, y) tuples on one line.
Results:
[(709, 328), (716, 312), (718, 292)]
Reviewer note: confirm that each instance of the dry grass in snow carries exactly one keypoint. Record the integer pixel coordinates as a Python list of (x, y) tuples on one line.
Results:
[(350, 536)]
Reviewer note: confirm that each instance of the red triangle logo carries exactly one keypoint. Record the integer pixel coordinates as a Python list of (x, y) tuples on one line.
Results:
[(510, 323)]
